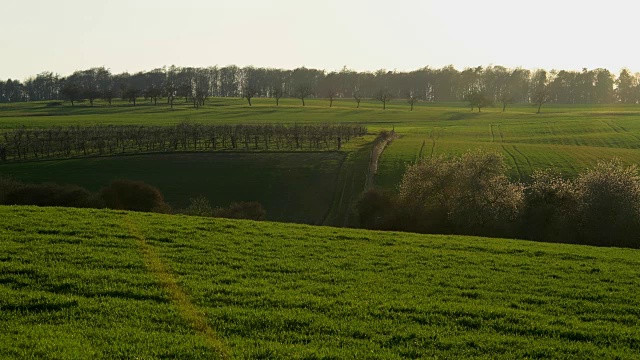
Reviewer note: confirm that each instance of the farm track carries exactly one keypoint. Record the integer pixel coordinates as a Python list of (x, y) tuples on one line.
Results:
[(608, 124), (525, 157), (421, 152), (338, 190), (352, 177), (433, 140), (619, 129), (179, 297), (515, 160), (629, 133), (376, 152)]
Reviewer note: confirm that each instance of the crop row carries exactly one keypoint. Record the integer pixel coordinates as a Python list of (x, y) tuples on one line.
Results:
[(59, 142)]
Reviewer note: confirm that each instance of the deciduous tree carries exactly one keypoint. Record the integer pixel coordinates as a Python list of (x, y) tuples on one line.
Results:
[(303, 91), (383, 95)]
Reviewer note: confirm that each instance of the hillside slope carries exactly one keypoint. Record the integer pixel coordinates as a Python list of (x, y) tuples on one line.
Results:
[(279, 181), (108, 284)]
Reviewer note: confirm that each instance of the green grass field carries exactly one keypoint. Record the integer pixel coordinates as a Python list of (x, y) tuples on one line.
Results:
[(107, 284), (567, 138)]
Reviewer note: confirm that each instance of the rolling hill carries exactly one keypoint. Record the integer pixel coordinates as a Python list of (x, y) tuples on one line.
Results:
[(110, 284)]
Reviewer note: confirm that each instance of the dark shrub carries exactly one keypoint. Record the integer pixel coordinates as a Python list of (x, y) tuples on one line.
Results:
[(376, 208), (133, 195), (242, 210), (199, 206), (8, 185), (51, 195)]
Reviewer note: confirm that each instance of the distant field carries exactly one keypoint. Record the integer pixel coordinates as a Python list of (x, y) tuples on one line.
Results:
[(566, 142), (106, 284), (567, 138)]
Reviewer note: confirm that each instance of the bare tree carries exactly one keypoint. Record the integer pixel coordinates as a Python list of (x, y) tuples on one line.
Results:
[(131, 94), (331, 95), (303, 91), (201, 94), (108, 94), (506, 98), (91, 94), (412, 98), (153, 93), (72, 92), (478, 100), (358, 97), (277, 93), (540, 97), (249, 92), (171, 90), (383, 95)]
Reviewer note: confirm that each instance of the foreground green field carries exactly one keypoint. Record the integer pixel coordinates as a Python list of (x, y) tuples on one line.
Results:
[(106, 284)]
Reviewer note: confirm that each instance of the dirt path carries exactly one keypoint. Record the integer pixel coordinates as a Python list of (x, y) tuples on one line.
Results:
[(378, 148)]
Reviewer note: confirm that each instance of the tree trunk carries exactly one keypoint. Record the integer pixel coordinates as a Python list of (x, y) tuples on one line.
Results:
[(504, 106), (249, 100), (302, 101)]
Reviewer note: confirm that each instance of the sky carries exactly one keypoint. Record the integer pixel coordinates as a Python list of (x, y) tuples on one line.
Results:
[(135, 35)]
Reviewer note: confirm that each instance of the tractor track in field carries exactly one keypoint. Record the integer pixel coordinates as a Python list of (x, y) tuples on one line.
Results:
[(179, 298), (629, 133), (620, 130), (433, 138), (350, 181), (610, 126), (515, 161), (421, 152), (525, 157)]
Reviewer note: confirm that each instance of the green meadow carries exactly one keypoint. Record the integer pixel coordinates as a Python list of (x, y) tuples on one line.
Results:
[(568, 137), (319, 188), (111, 284)]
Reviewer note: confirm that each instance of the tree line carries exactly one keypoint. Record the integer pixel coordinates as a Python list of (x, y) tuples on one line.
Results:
[(24, 143), (471, 194), (495, 84)]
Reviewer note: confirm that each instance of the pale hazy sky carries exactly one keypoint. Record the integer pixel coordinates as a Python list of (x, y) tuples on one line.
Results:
[(133, 35)]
